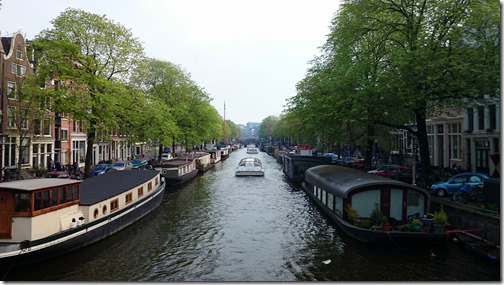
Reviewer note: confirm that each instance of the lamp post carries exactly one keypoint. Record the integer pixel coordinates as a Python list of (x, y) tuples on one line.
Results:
[(2, 142)]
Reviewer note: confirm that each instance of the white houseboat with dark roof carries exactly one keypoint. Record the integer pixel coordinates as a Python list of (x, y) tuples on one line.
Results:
[(178, 170), (341, 191), (46, 217)]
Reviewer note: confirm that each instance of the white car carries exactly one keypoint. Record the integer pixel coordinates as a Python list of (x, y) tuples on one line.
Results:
[(122, 165), (166, 156)]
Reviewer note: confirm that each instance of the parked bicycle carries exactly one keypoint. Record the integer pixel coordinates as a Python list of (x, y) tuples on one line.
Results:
[(468, 193)]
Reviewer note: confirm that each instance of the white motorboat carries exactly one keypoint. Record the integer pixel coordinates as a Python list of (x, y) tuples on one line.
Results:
[(252, 150), (250, 166)]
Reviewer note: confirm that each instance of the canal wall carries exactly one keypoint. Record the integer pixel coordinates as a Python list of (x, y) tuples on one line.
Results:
[(466, 217)]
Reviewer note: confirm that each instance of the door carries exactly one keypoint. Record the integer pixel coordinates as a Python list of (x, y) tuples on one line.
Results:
[(6, 209)]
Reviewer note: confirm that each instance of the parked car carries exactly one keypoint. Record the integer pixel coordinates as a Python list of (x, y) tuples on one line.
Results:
[(58, 174), (100, 169), (139, 164), (391, 171), (122, 165), (384, 167), (334, 157), (406, 176), (446, 188), (166, 156)]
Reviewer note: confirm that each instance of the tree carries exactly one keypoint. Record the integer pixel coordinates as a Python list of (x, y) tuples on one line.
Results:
[(97, 55), (188, 117)]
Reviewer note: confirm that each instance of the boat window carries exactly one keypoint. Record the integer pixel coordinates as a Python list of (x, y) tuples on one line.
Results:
[(323, 196), (129, 198), (140, 192), (363, 201), (62, 195), (22, 202), (149, 186), (416, 202), (114, 205), (76, 192), (37, 201), (338, 205), (46, 197), (330, 201), (413, 198), (54, 197), (69, 193)]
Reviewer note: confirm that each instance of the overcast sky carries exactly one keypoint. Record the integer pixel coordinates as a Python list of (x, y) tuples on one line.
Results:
[(248, 55)]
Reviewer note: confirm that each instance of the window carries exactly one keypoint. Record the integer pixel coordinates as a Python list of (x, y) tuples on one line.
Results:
[(11, 117), (19, 54), (47, 127), (114, 205), (492, 114), (21, 202), (140, 192), (330, 201), (37, 127), (11, 90), (129, 198), (454, 138), (24, 118), (481, 118), (470, 119), (64, 134), (18, 69), (149, 186)]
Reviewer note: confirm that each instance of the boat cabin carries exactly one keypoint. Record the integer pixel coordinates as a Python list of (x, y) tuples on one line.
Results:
[(26, 204), (338, 187)]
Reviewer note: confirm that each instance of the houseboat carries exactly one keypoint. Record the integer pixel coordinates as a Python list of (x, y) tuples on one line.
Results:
[(349, 197), (224, 150), (215, 155), (203, 161), (46, 217), (295, 165), (178, 170), (250, 166)]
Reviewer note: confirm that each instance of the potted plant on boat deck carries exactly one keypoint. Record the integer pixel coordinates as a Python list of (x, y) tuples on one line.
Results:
[(439, 221), (352, 215), (416, 225), (378, 219)]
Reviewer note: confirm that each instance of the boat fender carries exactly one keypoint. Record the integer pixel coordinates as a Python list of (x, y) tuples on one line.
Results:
[(25, 244), (73, 224)]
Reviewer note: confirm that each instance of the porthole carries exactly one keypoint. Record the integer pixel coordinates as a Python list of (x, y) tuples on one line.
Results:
[(104, 210), (95, 213)]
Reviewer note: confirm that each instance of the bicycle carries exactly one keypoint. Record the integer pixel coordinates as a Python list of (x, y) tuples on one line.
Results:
[(468, 193)]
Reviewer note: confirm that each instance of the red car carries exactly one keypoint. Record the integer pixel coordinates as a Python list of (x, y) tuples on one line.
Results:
[(391, 171), (58, 174)]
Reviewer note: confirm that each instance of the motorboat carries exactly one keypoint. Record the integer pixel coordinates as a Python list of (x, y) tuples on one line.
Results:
[(252, 150), (250, 166)]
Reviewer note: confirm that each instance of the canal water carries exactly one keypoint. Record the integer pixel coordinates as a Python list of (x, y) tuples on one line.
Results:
[(219, 227)]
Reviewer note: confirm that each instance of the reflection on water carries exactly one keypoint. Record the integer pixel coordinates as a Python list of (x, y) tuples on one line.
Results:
[(220, 227)]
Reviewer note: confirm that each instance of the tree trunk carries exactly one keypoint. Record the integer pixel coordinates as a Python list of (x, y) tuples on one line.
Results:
[(89, 153), (424, 146)]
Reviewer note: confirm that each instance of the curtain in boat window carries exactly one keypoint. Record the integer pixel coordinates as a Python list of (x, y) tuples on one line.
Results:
[(415, 203), (364, 202), (396, 203)]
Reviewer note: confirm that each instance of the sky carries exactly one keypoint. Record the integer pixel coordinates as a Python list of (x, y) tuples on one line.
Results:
[(247, 55)]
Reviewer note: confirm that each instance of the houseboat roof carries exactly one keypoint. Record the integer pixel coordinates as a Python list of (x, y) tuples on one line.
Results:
[(36, 184), (177, 161), (112, 183), (343, 180)]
